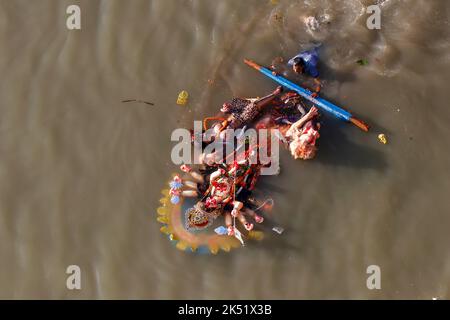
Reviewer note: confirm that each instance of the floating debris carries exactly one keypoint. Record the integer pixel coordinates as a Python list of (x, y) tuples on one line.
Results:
[(274, 2), (382, 138), (278, 230), (278, 17), (182, 97), (311, 23), (140, 101), (266, 205), (221, 230), (362, 62)]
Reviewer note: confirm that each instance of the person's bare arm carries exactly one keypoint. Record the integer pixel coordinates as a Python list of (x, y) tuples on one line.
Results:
[(317, 88), (300, 123), (216, 175), (264, 101)]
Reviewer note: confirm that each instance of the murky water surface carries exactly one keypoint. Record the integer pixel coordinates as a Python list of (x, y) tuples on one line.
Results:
[(81, 172)]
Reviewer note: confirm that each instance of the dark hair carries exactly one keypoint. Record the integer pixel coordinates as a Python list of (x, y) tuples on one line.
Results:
[(299, 61)]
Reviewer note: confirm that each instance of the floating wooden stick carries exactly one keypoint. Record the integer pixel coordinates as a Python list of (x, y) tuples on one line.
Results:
[(139, 101)]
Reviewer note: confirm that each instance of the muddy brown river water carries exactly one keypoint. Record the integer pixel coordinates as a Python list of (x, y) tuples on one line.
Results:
[(81, 172)]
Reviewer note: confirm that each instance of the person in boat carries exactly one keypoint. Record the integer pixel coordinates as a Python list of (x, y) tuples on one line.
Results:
[(306, 62), (303, 134)]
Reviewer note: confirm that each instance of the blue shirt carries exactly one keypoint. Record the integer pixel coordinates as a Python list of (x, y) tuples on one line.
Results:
[(310, 59)]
